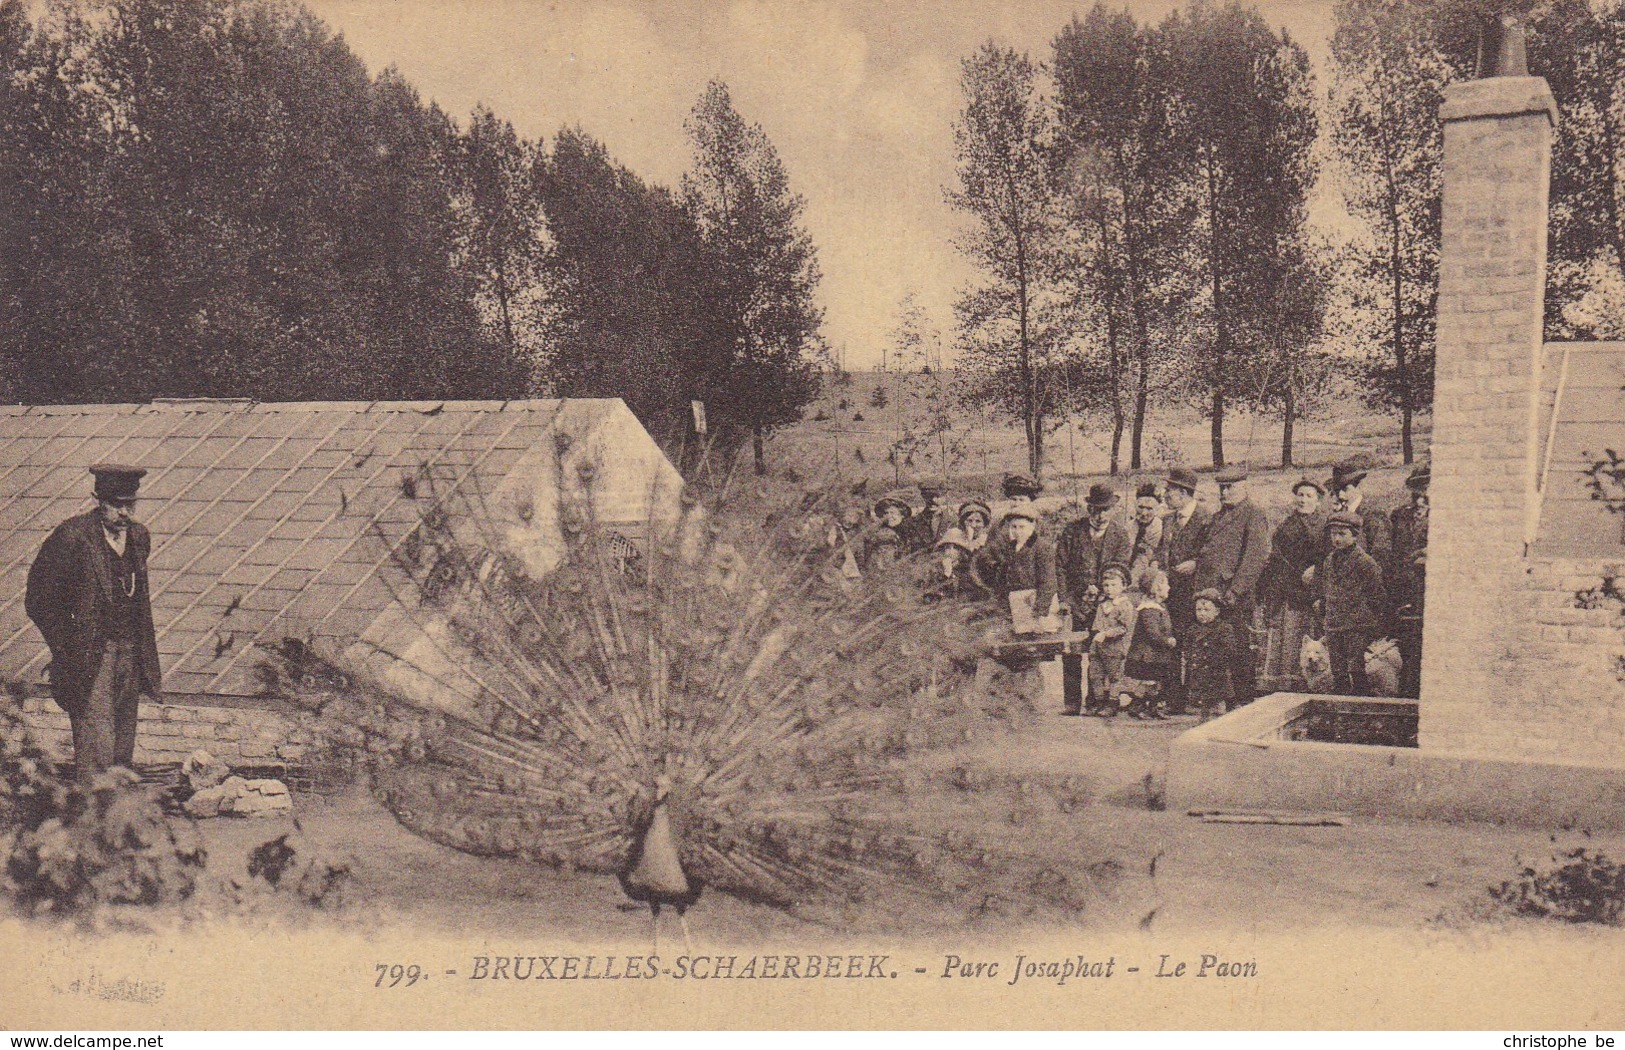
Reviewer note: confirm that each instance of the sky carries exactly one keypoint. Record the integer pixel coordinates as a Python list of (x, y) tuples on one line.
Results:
[(858, 96)]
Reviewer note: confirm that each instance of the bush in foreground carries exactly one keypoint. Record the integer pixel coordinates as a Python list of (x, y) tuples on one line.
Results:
[(1576, 886)]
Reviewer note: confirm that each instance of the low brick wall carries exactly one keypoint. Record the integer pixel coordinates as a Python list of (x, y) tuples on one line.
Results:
[(246, 733)]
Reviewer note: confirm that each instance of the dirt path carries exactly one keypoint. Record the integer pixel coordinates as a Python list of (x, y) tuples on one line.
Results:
[(1369, 873)]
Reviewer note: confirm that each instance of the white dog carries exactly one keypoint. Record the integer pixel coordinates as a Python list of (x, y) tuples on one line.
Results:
[(1315, 663), (1382, 665)]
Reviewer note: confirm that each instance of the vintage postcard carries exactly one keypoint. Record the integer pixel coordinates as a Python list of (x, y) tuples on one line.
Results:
[(812, 515)]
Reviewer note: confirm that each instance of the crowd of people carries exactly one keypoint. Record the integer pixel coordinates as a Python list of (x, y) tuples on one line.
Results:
[(1184, 610)]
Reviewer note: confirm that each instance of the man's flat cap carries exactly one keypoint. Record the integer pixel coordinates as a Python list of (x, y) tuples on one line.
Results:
[(117, 480)]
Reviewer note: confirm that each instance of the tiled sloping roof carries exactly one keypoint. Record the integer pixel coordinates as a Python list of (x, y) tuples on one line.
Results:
[(268, 520), (1590, 420)]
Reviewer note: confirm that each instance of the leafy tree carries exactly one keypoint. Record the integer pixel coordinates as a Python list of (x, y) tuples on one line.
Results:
[(764, 269), (928, 409), (1579, 47), (222, 202), (1003, 142), (501, 228), (628, 287), (1096, 375), (1388, 82), (1244, 108), (1296, 375), (1113, 97)]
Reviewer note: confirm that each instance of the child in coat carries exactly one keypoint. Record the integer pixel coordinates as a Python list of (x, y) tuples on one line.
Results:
[(1108, 648), (1208, 689), (1153, 659), (1352, 603)]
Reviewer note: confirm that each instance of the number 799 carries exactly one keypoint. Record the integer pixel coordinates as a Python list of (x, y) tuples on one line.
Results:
[(395, 974)]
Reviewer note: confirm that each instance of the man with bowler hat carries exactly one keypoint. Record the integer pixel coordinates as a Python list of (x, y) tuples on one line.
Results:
[(1086, 547), (1232, 558), (1344, 486), (88, 595)]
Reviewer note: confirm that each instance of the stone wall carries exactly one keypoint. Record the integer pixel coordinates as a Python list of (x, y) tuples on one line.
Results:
[(254, 736)]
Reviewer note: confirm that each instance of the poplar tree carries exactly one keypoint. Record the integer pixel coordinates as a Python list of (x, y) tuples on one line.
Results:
[(1004, 147), (764, 268)]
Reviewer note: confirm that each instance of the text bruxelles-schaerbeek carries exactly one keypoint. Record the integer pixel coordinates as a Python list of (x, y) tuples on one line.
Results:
[(683, 967)]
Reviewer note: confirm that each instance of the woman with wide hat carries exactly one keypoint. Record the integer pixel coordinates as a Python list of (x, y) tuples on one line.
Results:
[(888, 540)]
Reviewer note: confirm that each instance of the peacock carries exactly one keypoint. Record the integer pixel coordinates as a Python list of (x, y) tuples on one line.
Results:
[(702, 716)]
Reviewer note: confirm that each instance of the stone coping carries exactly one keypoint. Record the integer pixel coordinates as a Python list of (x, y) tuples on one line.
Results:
[(1242, 761), (1498, 97)]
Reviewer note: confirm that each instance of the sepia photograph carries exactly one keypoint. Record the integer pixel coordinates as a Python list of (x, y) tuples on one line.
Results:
[(1090, 515)]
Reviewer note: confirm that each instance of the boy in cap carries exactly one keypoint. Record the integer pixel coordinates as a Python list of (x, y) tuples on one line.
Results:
[(1351, 602), (1086, 547), (1022, 560), (87, 592)]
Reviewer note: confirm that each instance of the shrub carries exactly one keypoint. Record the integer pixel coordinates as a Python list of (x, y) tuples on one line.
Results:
[(1578, 886), (102, 842), (23, 768), (291, 864)]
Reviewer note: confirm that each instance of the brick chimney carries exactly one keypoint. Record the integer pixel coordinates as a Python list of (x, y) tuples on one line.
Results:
[(1492, 277)]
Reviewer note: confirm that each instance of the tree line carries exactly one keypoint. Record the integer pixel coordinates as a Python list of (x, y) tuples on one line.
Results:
[(214, 198), (1138, 205)]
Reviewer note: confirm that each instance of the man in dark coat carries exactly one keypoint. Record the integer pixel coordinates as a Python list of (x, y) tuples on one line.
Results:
[(1086, 547), (88, 595), (1406, 578), (1184, 529), (1231, 560)]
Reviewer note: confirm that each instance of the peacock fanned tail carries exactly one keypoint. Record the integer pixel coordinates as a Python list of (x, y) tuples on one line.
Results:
[(773, 705)]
